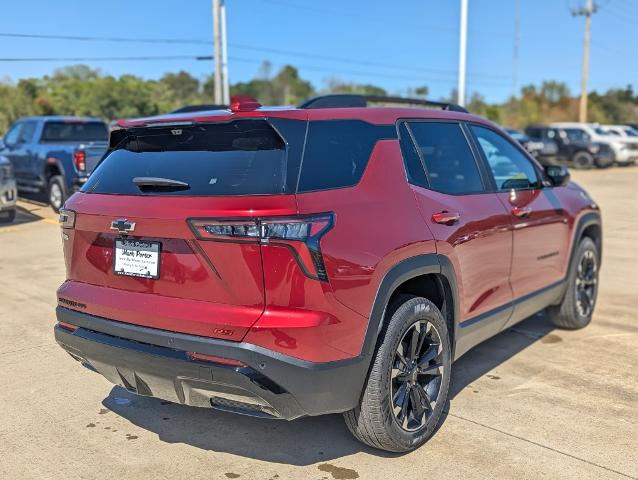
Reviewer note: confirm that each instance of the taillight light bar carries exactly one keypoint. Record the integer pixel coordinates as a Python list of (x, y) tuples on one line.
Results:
[(271, 230), (67, 218)]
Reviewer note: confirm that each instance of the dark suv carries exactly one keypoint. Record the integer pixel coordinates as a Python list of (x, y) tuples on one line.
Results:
[(327, 258), (574, 147)]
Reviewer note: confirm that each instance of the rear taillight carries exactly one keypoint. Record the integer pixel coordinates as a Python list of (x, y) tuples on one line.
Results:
[(79, 160), (289, 232), (67, 218)]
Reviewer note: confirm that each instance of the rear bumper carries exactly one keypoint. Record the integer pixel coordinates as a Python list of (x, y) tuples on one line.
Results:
[(154, 362)]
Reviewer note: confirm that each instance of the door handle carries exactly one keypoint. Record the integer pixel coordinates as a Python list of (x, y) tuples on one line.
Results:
[(521, 212), (445, 217)]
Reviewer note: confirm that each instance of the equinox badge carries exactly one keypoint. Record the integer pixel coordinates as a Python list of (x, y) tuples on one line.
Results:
[(123, 226)]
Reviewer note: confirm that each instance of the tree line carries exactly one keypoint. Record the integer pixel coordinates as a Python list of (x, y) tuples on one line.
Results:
[(81, 90)]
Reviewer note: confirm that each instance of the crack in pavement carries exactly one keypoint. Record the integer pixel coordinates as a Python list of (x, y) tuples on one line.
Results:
[(543, 446)]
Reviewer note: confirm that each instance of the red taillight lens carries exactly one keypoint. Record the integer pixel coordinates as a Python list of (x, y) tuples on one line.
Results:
[(67, 218), (272, 230), (201, 357), (79, 160)]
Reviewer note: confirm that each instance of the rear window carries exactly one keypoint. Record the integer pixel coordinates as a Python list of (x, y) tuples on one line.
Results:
[(243, 157), (72, 132)]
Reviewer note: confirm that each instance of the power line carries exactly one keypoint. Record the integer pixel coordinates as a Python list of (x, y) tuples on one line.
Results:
[(350, 61), (367, 74), (106, 59)]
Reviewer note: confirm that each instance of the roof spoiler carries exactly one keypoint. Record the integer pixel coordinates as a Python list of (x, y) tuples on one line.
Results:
[(354, 101)]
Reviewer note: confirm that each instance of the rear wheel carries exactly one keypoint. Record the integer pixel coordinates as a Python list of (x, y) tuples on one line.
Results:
[(407, 387), (577, 307), (56, 192), (583, 161), (8, 216)]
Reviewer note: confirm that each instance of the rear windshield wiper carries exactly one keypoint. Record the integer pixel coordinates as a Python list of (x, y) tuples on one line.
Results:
[(156, 184)]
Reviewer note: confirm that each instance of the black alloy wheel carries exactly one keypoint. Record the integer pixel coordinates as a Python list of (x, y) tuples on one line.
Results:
[(416, 376)]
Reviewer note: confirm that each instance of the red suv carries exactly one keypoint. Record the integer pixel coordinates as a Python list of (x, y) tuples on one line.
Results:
[(335, 257)]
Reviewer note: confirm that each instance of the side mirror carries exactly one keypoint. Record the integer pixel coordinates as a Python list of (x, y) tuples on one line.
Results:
[(557, 174)]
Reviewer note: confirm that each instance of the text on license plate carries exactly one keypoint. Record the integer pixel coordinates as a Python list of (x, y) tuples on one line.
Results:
[(137, 258)]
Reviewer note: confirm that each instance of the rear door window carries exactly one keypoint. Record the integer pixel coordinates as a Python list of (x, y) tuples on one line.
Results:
[(74, 132), (449, 161), (243, 157)]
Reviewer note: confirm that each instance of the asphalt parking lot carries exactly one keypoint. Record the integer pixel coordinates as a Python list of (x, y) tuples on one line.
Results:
[(532, 402)]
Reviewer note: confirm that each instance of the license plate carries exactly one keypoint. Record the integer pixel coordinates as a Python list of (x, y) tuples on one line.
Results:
[(136, 258)]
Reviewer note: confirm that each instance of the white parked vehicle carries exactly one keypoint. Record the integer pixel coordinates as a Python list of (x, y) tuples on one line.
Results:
[(625, 148), (624, 131)]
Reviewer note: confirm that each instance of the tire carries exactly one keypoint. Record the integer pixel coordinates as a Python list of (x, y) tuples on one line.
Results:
[(380, 422), (583, 161), (8, 216), (56, 193), (577, 307)]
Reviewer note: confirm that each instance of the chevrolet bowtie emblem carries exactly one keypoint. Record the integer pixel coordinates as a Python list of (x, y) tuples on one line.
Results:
[(122, 225)]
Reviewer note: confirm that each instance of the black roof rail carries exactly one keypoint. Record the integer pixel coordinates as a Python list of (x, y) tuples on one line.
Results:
[(346, 100)]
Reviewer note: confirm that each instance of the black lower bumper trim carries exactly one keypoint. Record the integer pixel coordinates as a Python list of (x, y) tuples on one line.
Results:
[(153, 362)]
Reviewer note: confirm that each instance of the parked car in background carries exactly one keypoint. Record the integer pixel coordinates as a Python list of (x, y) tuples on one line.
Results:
[(574, 147), (625, 150), (330, 258), (542, 149), (624, 131), (8, 192), (54, 154)]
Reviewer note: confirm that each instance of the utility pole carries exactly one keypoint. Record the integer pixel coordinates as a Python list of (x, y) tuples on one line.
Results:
[(517, 42), (587, 11), (462, 53), (225, 85), (217, 41)]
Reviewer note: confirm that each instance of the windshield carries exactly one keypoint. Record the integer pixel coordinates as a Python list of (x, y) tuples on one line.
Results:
[(631, 132), (72, 132), (602, 131)]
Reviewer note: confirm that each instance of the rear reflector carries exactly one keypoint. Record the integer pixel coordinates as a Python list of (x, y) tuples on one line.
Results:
[(67, 326), (200, 357)]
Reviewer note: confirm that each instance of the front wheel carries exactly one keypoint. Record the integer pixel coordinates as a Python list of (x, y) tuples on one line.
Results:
[(57, 193), (407, 387), (577, 307)]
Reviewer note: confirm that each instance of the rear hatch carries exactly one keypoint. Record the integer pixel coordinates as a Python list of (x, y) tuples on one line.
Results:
[(149, 243)]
